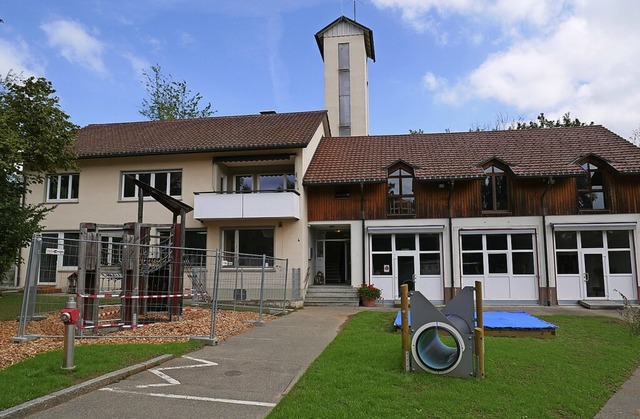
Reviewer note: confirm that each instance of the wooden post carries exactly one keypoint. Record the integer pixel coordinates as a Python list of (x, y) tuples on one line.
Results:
[(479, 331), (404, 313)]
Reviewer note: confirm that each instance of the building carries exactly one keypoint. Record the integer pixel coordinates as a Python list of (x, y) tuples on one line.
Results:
[(546, 216)]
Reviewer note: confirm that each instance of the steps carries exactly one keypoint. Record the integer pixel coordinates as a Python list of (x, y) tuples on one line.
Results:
[(332, 295)]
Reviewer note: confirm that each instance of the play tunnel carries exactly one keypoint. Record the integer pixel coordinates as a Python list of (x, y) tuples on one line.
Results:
[(442, 340)]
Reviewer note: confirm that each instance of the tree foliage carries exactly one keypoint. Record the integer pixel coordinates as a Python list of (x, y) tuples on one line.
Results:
[(36, 138), (542, 122), (170, 99)]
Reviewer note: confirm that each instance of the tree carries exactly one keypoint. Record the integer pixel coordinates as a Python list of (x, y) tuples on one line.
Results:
[(36, 138), (170, 99), (543, 122), (635, 136)]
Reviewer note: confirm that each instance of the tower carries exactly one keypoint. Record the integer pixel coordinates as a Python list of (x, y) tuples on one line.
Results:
[(345, 46)]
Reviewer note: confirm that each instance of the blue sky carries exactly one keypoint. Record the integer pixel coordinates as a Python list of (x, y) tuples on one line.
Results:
[(441, 64)]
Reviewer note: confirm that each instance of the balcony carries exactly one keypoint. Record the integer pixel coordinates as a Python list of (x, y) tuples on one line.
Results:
[(226, 206)]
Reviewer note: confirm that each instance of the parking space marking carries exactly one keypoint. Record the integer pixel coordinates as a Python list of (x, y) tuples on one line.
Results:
[(195, 398), (170, 381)]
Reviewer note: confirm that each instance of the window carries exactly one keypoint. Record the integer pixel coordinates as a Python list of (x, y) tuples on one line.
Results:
[(245, 247), (65, 255), (494, 190), (63, 187), (400, 191), (498, 253), (167, 181), (344, 90), (573, 245), (591, 188), (265, 182)]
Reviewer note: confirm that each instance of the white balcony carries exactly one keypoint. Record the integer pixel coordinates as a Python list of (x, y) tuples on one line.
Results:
[(225, 206)]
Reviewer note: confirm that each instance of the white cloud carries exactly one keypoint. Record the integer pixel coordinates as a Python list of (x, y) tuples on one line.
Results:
[(75, 44), (578, 56), (16, 57)]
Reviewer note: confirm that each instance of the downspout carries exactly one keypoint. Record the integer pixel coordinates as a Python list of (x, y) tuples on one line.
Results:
[(450, 217), (362, 217), (550, 181)]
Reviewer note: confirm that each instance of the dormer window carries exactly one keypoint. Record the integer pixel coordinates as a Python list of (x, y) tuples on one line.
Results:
[(400, 190), (591, 188), (495, 192)]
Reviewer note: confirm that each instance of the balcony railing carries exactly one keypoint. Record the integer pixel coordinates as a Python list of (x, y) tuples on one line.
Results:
[(267, 204), (399, 206)]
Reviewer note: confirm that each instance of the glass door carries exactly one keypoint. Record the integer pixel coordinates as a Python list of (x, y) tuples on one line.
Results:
[(406, 272), (594, 275)]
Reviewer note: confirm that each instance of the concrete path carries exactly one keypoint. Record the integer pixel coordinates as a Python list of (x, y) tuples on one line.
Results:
[(246, 375)]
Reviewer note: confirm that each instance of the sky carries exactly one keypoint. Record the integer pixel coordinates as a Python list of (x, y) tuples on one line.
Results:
[(440, 64)]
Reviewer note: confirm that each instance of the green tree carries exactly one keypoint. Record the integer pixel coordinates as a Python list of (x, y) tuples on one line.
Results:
[(36, 138), (542, 122), (170, 99)]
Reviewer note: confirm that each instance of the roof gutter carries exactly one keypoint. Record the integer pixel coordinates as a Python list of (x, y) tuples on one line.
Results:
[(543, 207)]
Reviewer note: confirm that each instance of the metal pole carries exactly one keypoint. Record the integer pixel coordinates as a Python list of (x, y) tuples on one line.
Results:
[(69, 339), (214, 303), (404, 307), (286, 273), (260, 322), (30, 286)]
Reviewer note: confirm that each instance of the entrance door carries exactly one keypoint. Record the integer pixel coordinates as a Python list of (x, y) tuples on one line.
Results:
[(406, 272), (593, 275), (336, 262)]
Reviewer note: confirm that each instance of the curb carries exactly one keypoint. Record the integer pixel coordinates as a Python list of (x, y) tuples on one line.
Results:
[(61, 396)]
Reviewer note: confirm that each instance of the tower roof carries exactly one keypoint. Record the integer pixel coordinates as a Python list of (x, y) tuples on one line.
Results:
[(345, 26)]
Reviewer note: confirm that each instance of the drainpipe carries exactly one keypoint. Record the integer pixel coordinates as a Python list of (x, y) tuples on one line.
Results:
[(362, 217), (450, 217), (550, 181)]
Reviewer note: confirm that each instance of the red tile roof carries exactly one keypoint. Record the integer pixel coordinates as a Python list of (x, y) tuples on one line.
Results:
[(248, 132), (528, 153)]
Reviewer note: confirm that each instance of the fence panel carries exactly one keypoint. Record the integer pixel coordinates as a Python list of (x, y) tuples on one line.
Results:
[(124, 281)]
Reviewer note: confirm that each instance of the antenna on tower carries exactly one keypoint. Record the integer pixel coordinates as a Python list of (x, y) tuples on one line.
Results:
[(354, 11)]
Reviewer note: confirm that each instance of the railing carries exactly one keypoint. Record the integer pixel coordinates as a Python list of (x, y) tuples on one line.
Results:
[(261, 204), (401, 205)]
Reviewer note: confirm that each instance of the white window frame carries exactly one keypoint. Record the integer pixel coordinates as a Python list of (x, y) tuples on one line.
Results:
[(152, 182), (69, 178)]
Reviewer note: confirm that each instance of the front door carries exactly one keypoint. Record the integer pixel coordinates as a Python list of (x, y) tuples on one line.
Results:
[(593, 275), (406, 272)]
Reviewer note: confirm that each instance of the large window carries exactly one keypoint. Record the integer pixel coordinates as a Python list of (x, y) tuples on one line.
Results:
[(511, 254), (265, 182), (615, 244), (344, 90), (385, 246), (400, 190), (63, 187), (591, 194), (167, 181), (245, 247), (495, 195), (59, 251)]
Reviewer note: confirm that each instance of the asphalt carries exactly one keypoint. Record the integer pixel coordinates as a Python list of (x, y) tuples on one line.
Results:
[(244, 376)]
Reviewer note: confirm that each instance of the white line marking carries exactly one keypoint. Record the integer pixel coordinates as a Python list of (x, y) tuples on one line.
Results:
[(170, 381), (195, 398)]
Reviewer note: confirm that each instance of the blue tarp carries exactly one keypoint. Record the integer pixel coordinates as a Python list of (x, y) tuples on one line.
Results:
[(502, 320)]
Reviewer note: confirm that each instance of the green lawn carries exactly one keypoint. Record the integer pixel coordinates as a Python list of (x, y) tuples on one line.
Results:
[(43, 374), (360, 375)]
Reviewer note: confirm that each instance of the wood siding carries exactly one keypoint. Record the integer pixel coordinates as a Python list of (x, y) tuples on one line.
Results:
[(431, 199)]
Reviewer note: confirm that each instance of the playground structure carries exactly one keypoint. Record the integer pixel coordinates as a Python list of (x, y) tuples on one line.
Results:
[(145, 272), (442, 341)]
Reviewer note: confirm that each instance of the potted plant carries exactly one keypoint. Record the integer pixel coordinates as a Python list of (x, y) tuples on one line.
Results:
[(369, 294)]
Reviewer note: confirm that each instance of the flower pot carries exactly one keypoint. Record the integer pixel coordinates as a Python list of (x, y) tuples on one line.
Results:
[(366, 302)]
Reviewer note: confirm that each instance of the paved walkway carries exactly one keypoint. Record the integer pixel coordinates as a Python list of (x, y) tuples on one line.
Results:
[(246, 375)]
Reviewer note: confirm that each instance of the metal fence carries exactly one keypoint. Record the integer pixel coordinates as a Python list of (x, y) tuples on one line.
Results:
[(123, 280)]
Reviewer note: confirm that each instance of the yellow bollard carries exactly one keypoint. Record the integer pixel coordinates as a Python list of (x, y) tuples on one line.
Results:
[(404, 314)]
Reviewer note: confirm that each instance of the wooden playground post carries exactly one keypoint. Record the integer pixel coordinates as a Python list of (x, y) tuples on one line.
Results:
[(479, 331), (404, 307)]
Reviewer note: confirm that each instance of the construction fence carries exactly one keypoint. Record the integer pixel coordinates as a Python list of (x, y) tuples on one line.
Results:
[(126, 279)]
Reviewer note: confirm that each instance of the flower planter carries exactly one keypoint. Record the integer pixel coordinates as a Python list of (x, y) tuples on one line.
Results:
[(366, 302)]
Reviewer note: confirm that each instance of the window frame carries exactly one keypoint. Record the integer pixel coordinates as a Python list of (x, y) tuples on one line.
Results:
[(589, 190), (233, 258), (492, 172), (288, 178), (152, 182), (72, 185), (402, 173)]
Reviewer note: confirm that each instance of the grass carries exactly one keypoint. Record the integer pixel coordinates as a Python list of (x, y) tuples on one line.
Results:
[(42, 374), (360, 375)]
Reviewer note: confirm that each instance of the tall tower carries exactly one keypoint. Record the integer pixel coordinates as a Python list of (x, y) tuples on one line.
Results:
[(345, 46)]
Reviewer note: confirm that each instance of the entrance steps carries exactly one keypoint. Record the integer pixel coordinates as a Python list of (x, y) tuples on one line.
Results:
[(332, 295), (601, 304)]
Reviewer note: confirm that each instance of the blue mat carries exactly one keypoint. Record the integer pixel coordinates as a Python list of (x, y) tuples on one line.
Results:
[(502, 320)]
